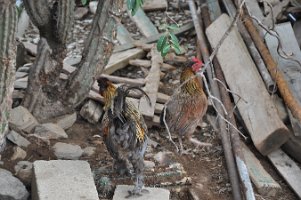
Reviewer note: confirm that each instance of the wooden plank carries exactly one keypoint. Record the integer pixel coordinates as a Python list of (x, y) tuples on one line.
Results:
[(214, 9), (143, 23), (257, 106), (154, 38), (288, 169), (31, 48), (123, 36), (117, 79), (153, 5), (158, 108), (151, 86), (140, 63), (262, 180), (290, 69), (119, 60)]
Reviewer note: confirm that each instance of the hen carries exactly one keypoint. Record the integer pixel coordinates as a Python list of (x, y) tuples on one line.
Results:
[(185, 110), (124, 131)]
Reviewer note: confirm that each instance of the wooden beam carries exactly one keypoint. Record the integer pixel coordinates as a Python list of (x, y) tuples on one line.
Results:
[(152, 85), (140, 63), (288, 169), (133, 82), (256, 105), (153, 5), (123, 36), (290, 68), (144, 24), (119, 60)]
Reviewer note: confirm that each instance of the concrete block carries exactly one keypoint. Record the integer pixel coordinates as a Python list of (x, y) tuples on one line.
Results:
[(62, 180)]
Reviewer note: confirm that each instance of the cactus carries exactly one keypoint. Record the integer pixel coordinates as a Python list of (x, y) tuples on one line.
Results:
[(47, 96), (8, 21)]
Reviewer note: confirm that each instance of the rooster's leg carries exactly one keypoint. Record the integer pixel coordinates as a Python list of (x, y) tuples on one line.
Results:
[(138, 165)]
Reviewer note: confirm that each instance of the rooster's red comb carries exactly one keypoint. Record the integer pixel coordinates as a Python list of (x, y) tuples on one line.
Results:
[(196, 60)]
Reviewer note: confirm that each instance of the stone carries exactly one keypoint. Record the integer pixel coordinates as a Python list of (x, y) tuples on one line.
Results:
[(121, 192), (65, 121), (17, 139), (25, 68), (163, 158), (11, 188), (91, 111), (89, 151), (72, 60), (93, 6), (23, 170), (19, 154), (67, 151), (149, 164), (21, 74), (22, 119), (50, 131), (63, 179), (20, 84)]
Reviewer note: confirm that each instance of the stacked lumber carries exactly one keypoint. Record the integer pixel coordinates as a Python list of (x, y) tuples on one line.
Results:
[(249, 56)]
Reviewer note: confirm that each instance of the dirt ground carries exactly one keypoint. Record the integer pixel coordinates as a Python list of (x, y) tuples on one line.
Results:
[(203, 173)]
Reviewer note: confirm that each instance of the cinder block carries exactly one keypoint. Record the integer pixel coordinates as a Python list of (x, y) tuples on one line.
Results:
[(63, 180)]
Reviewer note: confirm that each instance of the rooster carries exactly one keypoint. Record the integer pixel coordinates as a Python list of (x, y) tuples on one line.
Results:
[(185, 110), (124, 131)]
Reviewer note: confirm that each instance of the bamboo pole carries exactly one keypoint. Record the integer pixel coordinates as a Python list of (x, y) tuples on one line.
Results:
[(276, 74), (230, 162)]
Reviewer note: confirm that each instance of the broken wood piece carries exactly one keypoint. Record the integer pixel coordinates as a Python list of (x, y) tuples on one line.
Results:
[(151, 86), (154, 5), (117, 79), (290, 68), (68, 69), (262, 180), (123, 36), (144, 24), (153, 38), (167, 67), (31, 48), (140, 63), (254, 102), (288, 169), (144, 46), (158, 108), (172, 57), (155, 121), (119, 60)]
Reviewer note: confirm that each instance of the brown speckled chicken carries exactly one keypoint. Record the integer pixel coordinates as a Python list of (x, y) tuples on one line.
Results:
[(124, 131), (186, 109)]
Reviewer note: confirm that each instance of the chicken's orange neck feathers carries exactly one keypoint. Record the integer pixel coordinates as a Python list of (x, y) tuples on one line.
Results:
[(108, 95), (193, 86)]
